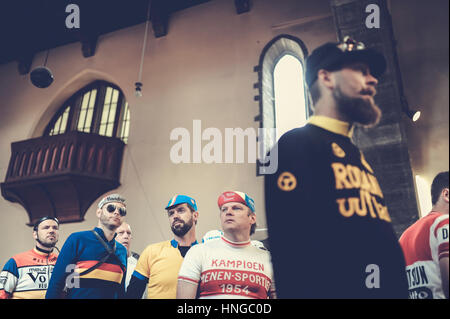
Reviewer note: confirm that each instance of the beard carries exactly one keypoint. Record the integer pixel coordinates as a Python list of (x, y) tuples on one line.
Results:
[(46, 243), (356, 109), (105, 220), (182, 229)]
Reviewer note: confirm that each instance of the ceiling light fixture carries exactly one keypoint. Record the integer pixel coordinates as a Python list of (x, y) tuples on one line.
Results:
[(42, 76), (138, 84)]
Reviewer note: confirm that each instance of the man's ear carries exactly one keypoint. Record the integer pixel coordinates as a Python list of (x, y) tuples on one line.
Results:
[(98, 212), (445, 195), (34, 234), (253, 217), (326, 78), (195, 214)]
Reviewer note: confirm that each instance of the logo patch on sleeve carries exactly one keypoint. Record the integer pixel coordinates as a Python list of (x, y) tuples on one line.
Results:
[(337, 150), (287, 182)]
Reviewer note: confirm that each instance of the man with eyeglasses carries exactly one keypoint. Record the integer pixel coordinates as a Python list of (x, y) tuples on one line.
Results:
[(92, 265), (158, 266), (26, 275), (325, 200)]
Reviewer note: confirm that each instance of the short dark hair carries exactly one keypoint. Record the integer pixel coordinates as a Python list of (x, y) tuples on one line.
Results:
[(253, 227), (439, 183)]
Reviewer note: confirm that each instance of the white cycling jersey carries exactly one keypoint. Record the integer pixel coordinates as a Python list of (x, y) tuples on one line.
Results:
[(224, 269)]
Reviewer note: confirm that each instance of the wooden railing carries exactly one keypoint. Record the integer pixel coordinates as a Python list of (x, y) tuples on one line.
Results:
[(74, 152), (62, 173)]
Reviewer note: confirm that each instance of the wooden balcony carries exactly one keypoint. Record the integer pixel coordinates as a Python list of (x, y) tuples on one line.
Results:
[(62, 175)]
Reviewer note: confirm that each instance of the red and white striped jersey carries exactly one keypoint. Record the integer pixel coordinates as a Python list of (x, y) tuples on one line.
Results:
[(226, 270), (424, 243)]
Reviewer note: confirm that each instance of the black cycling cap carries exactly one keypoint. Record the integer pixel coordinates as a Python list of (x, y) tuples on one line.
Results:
[(36, 225)]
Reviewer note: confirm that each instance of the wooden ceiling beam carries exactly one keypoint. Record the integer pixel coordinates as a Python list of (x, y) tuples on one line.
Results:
[(242, 6), (159, 16), (24, 63)]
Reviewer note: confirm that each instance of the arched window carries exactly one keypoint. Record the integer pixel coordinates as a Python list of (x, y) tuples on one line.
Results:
[(289, 91), (98, 108), (283, 97)]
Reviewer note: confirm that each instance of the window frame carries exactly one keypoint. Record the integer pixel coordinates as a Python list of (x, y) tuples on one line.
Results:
[(75, 102), (305, 89), (274, 50)]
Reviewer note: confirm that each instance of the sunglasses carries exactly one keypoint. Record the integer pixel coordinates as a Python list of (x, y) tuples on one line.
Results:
[(111, 208)]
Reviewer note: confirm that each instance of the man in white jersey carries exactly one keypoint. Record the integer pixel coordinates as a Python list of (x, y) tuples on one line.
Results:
[(230, 267), (425, 246)]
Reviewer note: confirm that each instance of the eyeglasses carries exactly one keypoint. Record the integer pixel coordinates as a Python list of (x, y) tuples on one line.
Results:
[(111, 208)]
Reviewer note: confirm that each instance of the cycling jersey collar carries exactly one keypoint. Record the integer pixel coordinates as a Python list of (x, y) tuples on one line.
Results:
[(332, 125), (236, 244), (41, 252), (174, 243), (102, 235)]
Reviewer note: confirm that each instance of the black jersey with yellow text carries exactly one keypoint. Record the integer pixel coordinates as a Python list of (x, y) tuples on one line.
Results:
[(330, 232)]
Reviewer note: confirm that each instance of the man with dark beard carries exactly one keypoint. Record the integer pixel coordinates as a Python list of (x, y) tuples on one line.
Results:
[(158, 266), (26, 275), (324, 201)]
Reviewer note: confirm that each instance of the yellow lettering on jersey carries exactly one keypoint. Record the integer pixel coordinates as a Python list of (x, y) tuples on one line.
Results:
[(354, 176), (360, 204), (364, 162), (365, 203), (381, 210), (346, 212), (349, 176), (368, 199), (340, 175), (374, 186)]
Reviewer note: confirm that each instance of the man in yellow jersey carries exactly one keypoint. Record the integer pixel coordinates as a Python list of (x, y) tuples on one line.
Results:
[(159, 264)]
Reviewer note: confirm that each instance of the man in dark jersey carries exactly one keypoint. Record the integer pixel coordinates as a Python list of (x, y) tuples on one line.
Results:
[(324, 200)]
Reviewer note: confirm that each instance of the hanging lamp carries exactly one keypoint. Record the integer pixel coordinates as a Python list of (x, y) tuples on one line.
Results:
[(42, 76), (138, 84)]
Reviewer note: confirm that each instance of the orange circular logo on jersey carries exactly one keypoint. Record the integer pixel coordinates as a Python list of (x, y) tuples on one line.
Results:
[(337, 150), (287, 181)]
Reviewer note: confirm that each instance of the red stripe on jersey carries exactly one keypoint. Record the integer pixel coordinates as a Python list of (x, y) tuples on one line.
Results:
[(86, 264), (441, 224), (443, 255), (228, 293), (443, 250), (234, 282), (246, 243), (415, 241)]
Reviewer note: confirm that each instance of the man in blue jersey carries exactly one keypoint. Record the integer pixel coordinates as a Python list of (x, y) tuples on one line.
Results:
[(92, 265)]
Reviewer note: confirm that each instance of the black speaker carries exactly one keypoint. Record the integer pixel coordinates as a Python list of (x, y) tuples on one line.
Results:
[(41, 77)]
